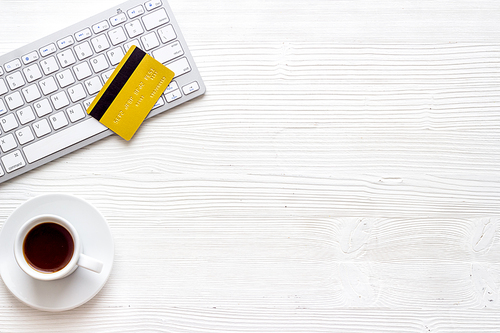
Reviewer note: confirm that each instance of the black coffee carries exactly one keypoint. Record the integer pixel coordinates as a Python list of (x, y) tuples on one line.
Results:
[(48, 247)]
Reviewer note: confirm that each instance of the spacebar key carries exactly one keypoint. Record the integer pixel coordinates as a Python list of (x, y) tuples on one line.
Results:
[(63, 139)]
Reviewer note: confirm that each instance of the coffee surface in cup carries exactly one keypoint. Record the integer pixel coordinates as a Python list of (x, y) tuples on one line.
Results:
[(48, 247)]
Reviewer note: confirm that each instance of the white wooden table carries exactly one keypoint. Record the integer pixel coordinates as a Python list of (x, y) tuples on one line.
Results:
[(341, 174)]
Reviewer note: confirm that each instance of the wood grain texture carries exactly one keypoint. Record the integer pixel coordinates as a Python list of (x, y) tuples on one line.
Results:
[(341, 174)]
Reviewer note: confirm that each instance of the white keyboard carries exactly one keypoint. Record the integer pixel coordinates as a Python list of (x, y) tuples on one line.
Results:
[(47, 86)]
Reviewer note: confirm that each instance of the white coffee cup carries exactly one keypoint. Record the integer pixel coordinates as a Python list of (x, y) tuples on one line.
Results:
[(43, 249)]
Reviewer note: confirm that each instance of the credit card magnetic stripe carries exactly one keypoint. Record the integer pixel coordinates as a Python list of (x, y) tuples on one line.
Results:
[(116, 82)]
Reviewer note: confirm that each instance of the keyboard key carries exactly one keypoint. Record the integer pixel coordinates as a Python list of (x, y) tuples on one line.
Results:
[(115, 55), (15, 80), (25, 135), (171, 87), (76, 113), (32, 73), (86, 103), (93, 85), (12, 65), (150, 41), (134, 28), (46, 50), (49, 65), (84, 34), (65, 78), (83, 50), (3, 109), (58, 120), (76, 93), (26, 115), (65, 42), (155, 19), (8, 122), (167, 34), (168, 52), (41, 128), (150, 5), (42, 107), (172, 96), (99, 63), (117, 19), (13, 161), (82, 71), (3, 87), (8, 143), (31, 93), (136, 11), (14, 100), (128, 45), (48, 85), (30, 57), (63, 139), (179, 67), (66, 58), (117, 36), (100, 43), (60, 100), (100, 27), (1, 73), (158, 103), (190, 88), (107, 75)]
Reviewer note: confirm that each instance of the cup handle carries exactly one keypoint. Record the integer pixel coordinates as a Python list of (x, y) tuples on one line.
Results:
[(90, 263)]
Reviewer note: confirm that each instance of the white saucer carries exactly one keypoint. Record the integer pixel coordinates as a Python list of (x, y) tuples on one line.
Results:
[(79, 287)]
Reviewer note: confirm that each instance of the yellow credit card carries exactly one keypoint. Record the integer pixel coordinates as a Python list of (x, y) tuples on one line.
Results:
[(130, 93)]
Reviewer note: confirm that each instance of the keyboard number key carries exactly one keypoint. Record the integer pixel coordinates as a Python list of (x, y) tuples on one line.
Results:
[(100, 43), (49, 65), (15, 80), (13, 161), (58, 120), (83, 50), (32, 73), (66, 58)]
